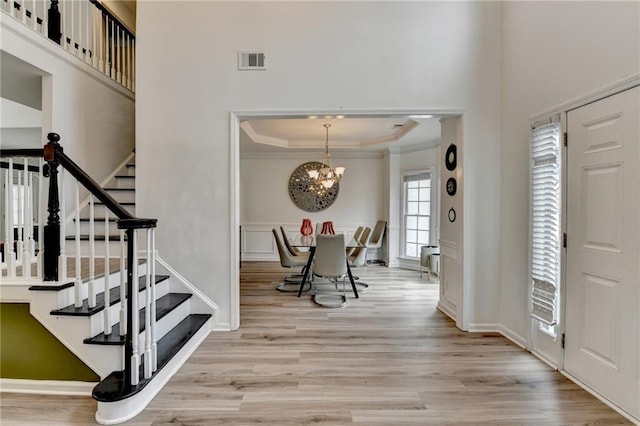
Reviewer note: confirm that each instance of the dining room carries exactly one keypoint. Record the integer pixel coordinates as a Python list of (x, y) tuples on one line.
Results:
[(383, 159)]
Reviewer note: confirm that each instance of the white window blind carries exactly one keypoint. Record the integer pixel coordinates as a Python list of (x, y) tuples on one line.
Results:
[(546, 232)]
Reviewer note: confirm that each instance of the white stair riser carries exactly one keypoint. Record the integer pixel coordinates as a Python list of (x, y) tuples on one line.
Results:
[(128, 196), (166, 323), (98, 228), (120, 182), (99, 247), (98, 212), (66, 296), (130, 170), (97, 320)]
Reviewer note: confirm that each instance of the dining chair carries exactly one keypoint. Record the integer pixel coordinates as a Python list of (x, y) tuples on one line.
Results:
[(356, 236), (330, 262), (293, 250), (375, 242), (357, 258), (290, 283)]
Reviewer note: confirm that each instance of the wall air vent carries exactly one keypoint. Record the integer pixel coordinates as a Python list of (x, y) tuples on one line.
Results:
[(252, 61)]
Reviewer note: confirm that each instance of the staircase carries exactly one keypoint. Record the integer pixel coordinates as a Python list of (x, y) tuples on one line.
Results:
[(122, 188), (134, 326), (181, 326)]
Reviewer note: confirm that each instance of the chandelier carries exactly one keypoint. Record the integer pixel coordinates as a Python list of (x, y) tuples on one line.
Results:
[(326, 175)]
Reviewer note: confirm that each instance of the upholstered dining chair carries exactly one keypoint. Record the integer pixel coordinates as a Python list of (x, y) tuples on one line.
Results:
[(375, 242), (359, 255), (290, 283), (356, 236), (330, 262), (293, 250)]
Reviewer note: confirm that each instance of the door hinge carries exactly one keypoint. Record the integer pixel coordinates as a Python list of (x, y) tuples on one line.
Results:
[(564, 239), (562, 341), (566, 139)]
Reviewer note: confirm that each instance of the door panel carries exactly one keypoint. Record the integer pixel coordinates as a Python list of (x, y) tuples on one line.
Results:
[(603, 228)]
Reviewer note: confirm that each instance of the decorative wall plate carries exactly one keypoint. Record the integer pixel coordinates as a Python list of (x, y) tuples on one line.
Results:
[(452, 186), (450, 158), (452, 215), (307, 195)]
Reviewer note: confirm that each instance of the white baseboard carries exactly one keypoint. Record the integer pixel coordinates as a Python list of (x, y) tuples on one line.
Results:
[(513, 336), (446, 310), (47, 387), (617, 409)]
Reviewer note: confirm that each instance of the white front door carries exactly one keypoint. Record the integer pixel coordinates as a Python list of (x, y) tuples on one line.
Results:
[(603, 254)]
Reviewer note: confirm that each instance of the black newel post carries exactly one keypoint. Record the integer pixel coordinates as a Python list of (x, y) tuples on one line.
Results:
[(53, 22), (52, 228)]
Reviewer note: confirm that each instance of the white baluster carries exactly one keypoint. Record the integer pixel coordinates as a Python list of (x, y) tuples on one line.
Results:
[(107, 272), (148, 358), (127, 63), (41, 210), (133, 65), (23, 9), (43, 17), (135, 326), (113, 51), (72, 30), (63, 24), (34, 16), (92, 254), (26, 221), (11, 10), (107, 58), (87, 41), (9, 253), (100, 37), (154, 339), (95, 39), (32, 220), (62, 259), (78, 280), (123, 286), (20, 218)]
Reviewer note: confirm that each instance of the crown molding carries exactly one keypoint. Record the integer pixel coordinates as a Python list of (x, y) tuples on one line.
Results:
[(311, 155)]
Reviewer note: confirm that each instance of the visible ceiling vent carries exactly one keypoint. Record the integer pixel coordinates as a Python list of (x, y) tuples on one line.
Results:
[(252, 61)]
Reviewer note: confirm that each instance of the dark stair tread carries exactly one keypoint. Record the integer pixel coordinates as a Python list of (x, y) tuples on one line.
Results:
[(84, 237), (114, 293), (86, 219), (124, 176), (119, 189), (113, 387), (164, 305), (99, 203)]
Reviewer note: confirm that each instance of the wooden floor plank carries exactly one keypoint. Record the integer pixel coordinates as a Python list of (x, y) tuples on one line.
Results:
[(389, 358)]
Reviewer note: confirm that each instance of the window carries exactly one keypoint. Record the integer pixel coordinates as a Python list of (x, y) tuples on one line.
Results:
[(546, 229), (417, 212)]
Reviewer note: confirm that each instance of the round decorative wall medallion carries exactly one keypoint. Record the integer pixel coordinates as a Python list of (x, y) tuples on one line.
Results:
[(452, 186), (452, 215), (450, 158), (308, 195)]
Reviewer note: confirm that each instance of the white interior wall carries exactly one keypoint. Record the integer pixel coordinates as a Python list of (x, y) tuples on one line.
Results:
[(553, 52), (265, 201), (319, 60), (93, 115)]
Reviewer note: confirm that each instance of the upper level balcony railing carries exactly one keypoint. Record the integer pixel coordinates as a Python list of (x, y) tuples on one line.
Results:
[(85, 29)]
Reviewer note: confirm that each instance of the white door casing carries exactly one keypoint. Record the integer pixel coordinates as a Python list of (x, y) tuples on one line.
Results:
[(603, 251)]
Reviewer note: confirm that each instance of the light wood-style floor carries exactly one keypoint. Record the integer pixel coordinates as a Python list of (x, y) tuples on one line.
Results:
[(389, 358)]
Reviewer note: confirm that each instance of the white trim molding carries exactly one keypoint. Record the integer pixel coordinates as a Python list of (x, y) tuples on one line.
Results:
[(47, 387)]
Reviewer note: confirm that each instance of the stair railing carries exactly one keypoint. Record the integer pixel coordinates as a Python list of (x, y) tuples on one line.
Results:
[(47, 254), (84, 28)]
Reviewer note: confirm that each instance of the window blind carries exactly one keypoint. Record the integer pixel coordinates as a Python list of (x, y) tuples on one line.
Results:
[(545, 221), (417, 177)]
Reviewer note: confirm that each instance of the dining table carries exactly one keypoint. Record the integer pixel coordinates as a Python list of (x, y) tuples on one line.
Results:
[(309, 242)]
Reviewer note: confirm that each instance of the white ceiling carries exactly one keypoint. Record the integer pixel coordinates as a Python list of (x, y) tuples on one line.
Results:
[(397, 133)]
